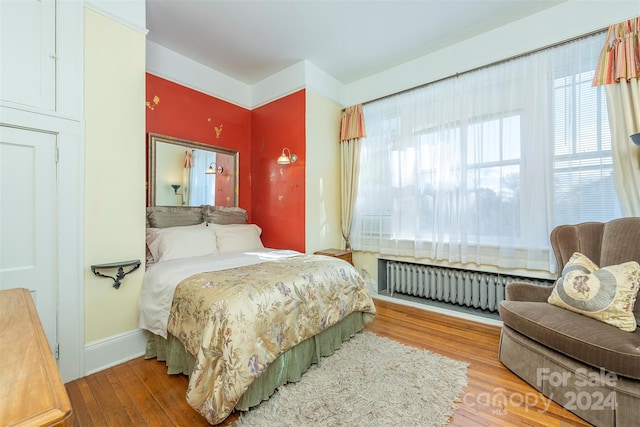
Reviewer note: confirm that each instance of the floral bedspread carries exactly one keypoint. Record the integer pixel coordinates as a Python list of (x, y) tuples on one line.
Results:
[(237, 321)]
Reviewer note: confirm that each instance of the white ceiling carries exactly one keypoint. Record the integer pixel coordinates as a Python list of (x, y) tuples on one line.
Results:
[(349, 39)]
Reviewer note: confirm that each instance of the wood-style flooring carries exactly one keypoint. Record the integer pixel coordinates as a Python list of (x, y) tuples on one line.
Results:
[(140, 393)]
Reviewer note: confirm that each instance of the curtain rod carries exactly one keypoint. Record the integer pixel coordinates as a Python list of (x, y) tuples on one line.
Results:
[(501, 61)]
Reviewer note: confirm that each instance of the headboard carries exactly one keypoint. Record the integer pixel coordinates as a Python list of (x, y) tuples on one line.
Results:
[(174, 216)]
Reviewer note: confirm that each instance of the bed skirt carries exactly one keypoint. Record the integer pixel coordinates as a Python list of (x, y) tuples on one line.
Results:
[(288, 367)]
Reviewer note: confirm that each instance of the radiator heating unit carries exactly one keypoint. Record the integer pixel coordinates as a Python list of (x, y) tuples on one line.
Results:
[(475, 289)]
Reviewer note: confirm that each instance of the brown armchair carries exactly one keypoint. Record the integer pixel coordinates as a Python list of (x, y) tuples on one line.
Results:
[(589, 367)]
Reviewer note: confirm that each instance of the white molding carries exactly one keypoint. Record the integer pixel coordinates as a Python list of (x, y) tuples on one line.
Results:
[(114, 350), (170, 65), (130, 13), (478, 51), (302, 75), (70, 62), (536, 31), (71, 253), (67, 124), (117, 349), (70, 226), (323, 83), (452, 313), (278, 85)]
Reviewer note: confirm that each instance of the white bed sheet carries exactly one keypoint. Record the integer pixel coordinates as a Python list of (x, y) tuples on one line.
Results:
[(161, 279)]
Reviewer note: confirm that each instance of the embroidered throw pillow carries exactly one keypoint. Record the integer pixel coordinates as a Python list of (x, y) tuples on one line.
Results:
[(606, 294)]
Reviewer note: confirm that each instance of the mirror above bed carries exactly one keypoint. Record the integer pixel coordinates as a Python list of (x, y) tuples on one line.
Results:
[(188, 173)]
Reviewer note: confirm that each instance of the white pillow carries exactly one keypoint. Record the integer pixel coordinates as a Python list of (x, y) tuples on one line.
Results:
[(237, 237), (181, 242)]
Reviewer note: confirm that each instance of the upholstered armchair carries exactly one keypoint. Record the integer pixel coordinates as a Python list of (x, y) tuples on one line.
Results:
[(590, 367)]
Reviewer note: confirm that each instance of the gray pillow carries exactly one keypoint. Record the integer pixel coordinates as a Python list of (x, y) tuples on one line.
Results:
[(224, 215), (173, 216)]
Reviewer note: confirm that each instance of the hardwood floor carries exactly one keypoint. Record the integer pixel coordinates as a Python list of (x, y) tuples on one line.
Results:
[(140, 393)]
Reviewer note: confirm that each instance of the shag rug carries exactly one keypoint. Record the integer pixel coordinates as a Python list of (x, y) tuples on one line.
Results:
[(369, 381)]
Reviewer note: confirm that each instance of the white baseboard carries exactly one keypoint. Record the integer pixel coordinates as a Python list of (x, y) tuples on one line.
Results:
[(453, 313), (117, 349), (114, 350)]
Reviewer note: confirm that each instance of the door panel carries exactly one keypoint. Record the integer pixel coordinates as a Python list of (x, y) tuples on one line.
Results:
[(28, 256), (28, 46)]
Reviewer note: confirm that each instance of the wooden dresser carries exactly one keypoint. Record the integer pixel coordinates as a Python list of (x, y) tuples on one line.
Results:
[(337, 253), (31, 390)]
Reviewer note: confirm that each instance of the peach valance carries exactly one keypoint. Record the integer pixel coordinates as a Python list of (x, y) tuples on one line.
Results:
[(620, 57), (352, 125)]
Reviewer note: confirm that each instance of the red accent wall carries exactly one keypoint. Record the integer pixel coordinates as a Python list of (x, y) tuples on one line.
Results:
[(272, 194), (178, 111), (278, 191)]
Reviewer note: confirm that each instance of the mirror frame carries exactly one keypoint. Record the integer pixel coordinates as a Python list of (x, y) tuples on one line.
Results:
[(154, 138)]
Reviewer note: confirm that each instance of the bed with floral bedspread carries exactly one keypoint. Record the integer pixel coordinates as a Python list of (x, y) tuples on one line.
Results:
[(237, 321)]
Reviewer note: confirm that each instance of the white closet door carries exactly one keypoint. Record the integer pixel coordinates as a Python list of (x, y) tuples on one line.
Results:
[(28, 194), (28, 46)]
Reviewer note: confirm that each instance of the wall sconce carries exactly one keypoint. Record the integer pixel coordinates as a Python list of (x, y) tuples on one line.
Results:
[(212, 169), (635, 138), (175, 191), (286, 159)]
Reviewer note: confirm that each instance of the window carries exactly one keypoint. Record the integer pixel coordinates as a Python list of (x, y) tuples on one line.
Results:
[(583, 179), (201, 187), (480, 167)]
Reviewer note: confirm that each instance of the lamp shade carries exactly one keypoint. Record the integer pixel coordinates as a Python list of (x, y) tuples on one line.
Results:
[(286, 159), (636, 138), (283, 159)]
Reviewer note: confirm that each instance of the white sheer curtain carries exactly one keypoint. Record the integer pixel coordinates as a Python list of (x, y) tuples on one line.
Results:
[(479, 168), (352, 129), (623, 100), (203, 186)]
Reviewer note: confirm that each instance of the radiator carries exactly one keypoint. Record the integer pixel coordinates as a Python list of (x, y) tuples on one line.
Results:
[(477, 289)]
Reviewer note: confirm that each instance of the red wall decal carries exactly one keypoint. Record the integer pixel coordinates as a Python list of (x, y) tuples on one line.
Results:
[(278, 191), (178, 111)]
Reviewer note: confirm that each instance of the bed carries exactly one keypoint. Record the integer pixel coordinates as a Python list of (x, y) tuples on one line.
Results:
[(238, 318)]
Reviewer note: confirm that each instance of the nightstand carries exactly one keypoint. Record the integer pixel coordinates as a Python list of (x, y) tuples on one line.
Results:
[(337, 253)]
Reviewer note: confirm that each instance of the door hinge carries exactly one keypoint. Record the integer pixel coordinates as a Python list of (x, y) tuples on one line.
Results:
[(56, 351), (57, 154)]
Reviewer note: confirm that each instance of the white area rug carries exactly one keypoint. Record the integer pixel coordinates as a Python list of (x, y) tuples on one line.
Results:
[(370, 381)]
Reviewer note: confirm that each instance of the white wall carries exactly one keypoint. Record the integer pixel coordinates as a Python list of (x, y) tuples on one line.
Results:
[(534, 32), (322, 192), (114, 177), (115, 158), (130, 13), (172, 66), (62, 118), (169, 170), (563, 22)]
